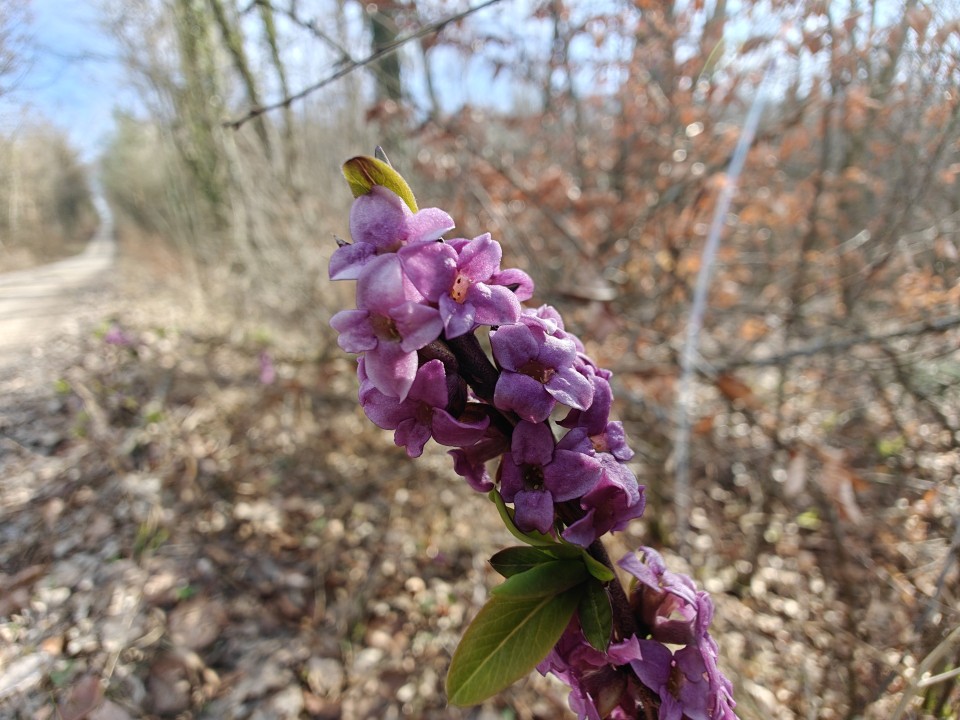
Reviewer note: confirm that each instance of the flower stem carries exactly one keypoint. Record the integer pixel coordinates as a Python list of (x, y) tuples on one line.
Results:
[(624, 625), (475, 366)]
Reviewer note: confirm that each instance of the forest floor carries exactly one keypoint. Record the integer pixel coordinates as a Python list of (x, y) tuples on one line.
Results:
[(199, 522)]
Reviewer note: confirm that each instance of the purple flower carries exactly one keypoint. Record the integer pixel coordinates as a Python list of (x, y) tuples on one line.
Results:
[(655, 667), (613, 502), (537, 372), (536, 473), (116, 336), (668, 604), (600, 683), (517, 280), (549, 319), (421, 415), (664, 601), (459, 277), (417, 296), (380, 222), (470, 462), (388, 326), (698, 662), (687, 681), (268, 372), (604, 436)]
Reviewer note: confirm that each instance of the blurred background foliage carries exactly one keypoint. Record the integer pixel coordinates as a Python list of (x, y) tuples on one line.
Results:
[(46, 208), (592, 140)]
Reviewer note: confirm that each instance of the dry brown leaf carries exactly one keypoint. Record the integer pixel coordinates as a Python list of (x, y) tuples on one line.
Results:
[(24, 578), (838, 482), (919, 18), (704, 425), (169, 685), (53, 645), (197, 623), (735, 389), (15, 589), (753, 329), (84, 697)]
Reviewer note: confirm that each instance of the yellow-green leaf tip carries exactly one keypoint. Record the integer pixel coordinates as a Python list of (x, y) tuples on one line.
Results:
[(363, 172)]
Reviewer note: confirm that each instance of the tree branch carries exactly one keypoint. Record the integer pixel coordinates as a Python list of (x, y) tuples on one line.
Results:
[(821, 346), (349, 67), (309, 25)]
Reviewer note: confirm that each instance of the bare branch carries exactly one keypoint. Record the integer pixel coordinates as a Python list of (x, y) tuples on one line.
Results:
[(824, 346), (937, 654), (309, 25), (430, 29)]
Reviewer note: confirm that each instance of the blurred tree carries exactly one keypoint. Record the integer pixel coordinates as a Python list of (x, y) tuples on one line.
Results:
[(232, 36), (227, 199), (46, 209), (12, 17), (827, 375), (197, 102), (384, 28), (842, 237)]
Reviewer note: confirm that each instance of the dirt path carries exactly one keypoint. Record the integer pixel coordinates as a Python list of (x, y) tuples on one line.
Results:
[(44, 312), (37, 304), (43, 309)]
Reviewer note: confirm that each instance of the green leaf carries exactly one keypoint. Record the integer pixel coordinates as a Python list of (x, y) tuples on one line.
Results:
[(506, 514), (564, 551), (515, 560), (809, 520), (596, 617), (505, 641), (549, 578), (363, 172), (600, 571)]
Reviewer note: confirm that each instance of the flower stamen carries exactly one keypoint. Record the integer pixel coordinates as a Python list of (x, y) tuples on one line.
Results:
[(460, 287)]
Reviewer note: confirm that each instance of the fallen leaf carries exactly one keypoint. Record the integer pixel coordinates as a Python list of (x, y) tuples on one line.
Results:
[(704, 425), (84, 697), (838, 482), (197, 623), (53, 645), (735, 389), (169, 685), (109, 711)]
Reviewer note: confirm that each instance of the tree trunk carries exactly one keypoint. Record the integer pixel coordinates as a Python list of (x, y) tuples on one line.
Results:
[(383, 26)]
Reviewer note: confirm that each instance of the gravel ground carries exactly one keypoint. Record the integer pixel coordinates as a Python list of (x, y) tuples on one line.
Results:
[(179, 538), (148, 570)]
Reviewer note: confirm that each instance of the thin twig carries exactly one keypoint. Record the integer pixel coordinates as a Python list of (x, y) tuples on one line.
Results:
[(822, 346), (934, 601), (695, 324), (309, 25), (928, 662), (430, 29), (519, 183), (948, 675)]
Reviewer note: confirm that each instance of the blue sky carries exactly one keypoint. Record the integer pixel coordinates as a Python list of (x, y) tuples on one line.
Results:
[(70, 76), (74, 80)]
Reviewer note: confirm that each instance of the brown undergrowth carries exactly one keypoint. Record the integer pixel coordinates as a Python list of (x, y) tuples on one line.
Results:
[(184, 535)]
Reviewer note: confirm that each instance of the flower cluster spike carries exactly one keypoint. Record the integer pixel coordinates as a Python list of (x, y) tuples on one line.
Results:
[(536, 414)]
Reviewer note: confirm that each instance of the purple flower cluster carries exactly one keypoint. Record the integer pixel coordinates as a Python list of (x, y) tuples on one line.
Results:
[(538, 415), (420, 300), (672, 655)]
